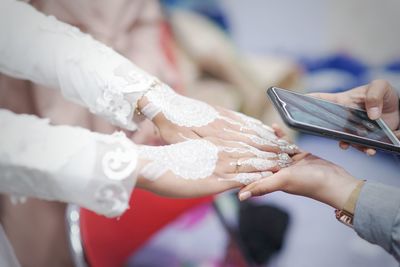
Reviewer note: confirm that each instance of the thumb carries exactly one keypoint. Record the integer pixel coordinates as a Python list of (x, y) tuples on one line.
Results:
[(375, 94), (264, 186)]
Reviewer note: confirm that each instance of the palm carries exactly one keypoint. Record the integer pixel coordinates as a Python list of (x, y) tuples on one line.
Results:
[(311, 177), (308, 173)]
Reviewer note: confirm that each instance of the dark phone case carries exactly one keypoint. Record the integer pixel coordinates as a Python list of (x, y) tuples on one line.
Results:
[(315, 130)]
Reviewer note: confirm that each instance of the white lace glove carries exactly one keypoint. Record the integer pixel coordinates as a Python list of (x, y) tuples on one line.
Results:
[(198, 167), (179, 117)]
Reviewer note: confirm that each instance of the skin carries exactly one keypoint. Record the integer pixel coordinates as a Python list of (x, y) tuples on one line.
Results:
[(316, 178), (309, 176), (171, 185), (214, 131), (378, 98), (220, 133)]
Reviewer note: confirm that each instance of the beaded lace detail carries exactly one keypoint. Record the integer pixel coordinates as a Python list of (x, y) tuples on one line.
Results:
[(179, 109), (248, 178), (192, 160), (118, 86)]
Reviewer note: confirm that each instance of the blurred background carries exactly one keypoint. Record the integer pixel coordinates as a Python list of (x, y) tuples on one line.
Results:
[(305, 46)]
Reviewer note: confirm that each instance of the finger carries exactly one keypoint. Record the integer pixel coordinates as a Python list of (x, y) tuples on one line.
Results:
[(169, 185), (350, 98), (343, 145), (254, 165), (245, 178), (250, 120), (172, 135), (237, 118), (276, 145), (238, 127), (224, 184), (278, 130), (287, 147), (370, 151), (250, 139), (397, 133), (248, 125), (254, 129), (234, 153), (301, 156), (367, 150), (376, 91), (264, 186), (235, 150)]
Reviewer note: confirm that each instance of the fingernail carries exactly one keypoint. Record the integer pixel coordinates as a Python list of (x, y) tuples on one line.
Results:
[(344, 147), (374, 113), (371, 152), (245, 195)]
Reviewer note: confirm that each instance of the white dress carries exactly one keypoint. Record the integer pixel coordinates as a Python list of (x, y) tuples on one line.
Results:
[(65, 163)]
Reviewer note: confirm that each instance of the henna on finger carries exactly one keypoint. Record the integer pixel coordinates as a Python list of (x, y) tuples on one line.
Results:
[(253, 165), (247, 178)]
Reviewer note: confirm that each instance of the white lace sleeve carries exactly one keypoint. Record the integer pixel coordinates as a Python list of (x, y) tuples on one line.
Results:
[(66, 163), (46, 51)]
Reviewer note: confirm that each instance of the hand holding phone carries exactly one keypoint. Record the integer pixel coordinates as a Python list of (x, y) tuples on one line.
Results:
[(378, 97), (321, 117)]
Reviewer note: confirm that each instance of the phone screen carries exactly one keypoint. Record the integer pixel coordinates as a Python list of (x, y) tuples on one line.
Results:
[(323, 114)]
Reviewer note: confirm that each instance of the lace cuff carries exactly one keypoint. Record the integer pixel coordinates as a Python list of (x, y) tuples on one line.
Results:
[(108, 189), (66, 163), (119, 106)]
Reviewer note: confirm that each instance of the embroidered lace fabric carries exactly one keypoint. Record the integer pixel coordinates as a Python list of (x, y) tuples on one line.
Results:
[(192, 159), (178, 109), (86, 71), (248, 178), (197, 159), (66, 163), (259, 164)]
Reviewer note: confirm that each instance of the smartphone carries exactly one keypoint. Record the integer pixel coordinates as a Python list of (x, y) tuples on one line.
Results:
[(324, 118)]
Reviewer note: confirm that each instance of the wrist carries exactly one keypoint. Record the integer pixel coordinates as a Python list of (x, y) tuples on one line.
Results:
[(142, 182), (344, 193), (338, 190), (142, 103), (346, 214)]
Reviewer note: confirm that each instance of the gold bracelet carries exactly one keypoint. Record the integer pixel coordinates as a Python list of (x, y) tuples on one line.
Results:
[(346, 215)]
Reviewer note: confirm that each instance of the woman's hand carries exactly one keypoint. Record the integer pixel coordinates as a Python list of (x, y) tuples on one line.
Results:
[(196, 168), (178, 118), (308, 176), (378, 98)]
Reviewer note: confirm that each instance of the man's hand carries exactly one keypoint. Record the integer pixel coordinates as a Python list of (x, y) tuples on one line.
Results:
[(378, 98), (310, 177)]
